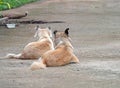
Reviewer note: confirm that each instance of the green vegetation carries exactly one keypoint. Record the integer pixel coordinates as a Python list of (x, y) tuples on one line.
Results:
[(9, 4)]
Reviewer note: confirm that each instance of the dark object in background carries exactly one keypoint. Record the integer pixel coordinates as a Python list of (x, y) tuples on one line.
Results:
[(15, 16)]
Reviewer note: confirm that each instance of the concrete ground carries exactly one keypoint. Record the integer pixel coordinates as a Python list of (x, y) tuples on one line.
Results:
[(95, 32)]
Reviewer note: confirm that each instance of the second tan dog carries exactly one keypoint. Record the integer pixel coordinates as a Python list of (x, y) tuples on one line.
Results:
[(34, 50), (62, 55)]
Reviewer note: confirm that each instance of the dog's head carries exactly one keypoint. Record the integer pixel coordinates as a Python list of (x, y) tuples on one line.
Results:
[(58, 35), (43, 32)]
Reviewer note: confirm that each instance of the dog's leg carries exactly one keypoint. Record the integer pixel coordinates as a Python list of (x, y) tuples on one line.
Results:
[(75, 59), (38, 65)]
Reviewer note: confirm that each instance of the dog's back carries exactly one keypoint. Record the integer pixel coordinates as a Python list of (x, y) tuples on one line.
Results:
[(62, 55), (35, 49)]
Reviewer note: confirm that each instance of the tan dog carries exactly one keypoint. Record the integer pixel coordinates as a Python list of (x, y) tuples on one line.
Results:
[(62, 55), (34, 50)]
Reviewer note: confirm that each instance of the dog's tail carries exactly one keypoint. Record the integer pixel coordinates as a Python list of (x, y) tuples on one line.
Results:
[(37, 65), (12, 56)]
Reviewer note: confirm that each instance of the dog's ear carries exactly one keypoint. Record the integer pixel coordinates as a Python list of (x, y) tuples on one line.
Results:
[(49, 28), (66, 31), (37, 27), (55, 32)]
